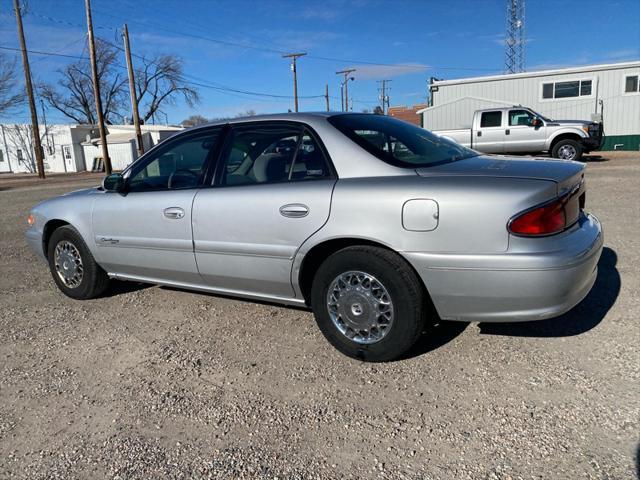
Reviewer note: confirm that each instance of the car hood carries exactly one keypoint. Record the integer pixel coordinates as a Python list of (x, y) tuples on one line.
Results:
[(569, 123), (84, 191), (559, 171)]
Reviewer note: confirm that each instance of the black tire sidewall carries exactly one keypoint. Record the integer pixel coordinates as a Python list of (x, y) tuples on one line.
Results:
[(407, 304), (86, 288)]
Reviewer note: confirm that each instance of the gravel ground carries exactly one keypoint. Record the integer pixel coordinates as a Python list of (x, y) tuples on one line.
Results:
[(154, 382)]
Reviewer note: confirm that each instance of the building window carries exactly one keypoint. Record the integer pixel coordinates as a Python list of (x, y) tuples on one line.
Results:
[(631, 84), (19, 155), (570, 89), (67, 152), (491, 119), (1, 156)]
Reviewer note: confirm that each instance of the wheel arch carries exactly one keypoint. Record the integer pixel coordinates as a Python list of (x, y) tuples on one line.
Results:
[(50, 227), (321, 251), (566, 135)]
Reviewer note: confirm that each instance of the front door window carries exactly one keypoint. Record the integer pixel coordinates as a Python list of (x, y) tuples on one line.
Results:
[(179, 165)]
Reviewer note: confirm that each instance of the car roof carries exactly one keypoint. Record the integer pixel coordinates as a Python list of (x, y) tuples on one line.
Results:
[(306, 117)]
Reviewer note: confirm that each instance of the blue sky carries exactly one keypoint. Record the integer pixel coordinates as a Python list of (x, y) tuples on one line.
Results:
[(413, 39)]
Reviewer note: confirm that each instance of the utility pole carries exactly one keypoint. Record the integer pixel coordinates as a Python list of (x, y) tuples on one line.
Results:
[(326, 96), (384, 97), (294, 57), (346, 84), (29, 87), (132, 91), (96, 91)]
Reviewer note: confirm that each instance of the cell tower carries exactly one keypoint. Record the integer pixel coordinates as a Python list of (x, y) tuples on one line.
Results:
[(515, 40)]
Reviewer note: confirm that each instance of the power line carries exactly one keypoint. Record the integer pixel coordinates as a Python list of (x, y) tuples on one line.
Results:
[(37, 52), (274, 50), (199, 83)]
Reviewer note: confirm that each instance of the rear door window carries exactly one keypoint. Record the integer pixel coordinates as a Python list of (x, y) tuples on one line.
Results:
[(491, 119), (271, 153)]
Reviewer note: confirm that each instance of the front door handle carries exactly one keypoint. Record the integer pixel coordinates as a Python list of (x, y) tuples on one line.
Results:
[(507, 132), (294, 210), (174, 213)]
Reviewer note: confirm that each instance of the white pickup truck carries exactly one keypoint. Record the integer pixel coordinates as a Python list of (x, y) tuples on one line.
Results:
[(519, 129)]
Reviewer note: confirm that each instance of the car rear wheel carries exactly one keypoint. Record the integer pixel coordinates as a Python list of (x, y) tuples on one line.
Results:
[(368, 303), (567, 150), (72, 266)]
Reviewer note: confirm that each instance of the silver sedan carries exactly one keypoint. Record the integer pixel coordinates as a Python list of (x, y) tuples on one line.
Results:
[(379, 226)]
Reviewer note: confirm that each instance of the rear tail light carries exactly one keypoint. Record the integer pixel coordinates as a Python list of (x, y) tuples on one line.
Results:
[(549, 218)]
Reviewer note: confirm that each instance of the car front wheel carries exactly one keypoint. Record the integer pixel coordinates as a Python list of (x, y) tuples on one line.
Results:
[(72, 266), (368, 303), (567, 150)]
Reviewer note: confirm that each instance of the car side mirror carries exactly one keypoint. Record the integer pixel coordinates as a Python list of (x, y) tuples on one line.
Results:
[(113, 183), (536, 122)]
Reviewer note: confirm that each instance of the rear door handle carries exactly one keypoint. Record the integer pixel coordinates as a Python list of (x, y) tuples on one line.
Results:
[(294, 210), (507, 132), (174, 213)]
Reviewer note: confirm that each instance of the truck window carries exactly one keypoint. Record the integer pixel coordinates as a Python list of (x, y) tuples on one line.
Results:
[(520, 117), (491, 119)]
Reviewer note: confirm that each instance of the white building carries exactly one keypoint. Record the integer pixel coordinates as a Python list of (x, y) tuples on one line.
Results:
[(61, 145), (121, 141), (577, 93), (73, 148)]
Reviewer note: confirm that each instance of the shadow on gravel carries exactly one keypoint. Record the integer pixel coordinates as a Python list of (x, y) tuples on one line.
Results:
[(593, 158), (237, 299), (582, 318), (435, 337), (118, 287)]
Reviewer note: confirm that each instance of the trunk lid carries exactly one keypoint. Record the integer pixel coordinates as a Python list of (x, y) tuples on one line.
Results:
[(566, 174)]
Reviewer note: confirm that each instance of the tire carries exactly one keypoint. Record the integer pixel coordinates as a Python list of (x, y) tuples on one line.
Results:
[(564, 147), (383, 269), (88, 281)]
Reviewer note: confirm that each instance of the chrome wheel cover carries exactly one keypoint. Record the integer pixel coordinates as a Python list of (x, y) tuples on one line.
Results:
[(567, 152), (360, 307), (68, 264)]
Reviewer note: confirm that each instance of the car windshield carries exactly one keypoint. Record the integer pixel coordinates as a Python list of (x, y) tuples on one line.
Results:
[(541, 116), (397, 142)]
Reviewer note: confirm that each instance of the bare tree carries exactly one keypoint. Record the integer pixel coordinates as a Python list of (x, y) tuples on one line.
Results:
[(194, 121), (160, 82), (246, 113), (73, 96), (10, 96), (20, 141)]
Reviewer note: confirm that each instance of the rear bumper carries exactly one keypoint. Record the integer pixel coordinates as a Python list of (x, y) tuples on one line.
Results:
[(519, 285)]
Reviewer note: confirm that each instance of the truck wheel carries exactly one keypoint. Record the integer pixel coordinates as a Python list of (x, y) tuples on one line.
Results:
[(368, 303), (72, 266), (567, 149)]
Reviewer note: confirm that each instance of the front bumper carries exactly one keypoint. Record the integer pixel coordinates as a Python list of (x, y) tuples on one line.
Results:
[(34, 240), (592, 143), (519, 285)]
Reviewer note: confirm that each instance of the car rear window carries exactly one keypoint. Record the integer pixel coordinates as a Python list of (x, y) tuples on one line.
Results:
[(397, 142)]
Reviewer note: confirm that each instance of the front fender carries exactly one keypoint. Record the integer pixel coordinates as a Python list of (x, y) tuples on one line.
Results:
[(565, 131), (74, 209)]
